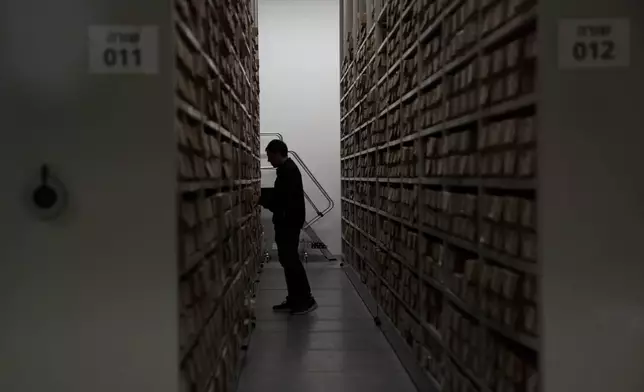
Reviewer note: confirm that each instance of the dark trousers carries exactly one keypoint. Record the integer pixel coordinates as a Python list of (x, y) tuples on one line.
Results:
[(297, 283)]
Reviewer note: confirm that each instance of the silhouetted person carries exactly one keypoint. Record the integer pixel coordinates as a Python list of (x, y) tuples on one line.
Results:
[(286, 202)]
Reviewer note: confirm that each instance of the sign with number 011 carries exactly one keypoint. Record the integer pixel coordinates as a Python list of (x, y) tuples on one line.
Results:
[(123, 49), (594, 43)]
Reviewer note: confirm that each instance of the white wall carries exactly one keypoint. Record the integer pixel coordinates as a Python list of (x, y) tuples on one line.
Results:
[(300, 93), (592, 211), (88, 301)]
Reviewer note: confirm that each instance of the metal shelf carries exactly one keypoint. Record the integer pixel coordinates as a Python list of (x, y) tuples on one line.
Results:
[(232, 47), (518, 337), (372, 29), (495, 110), (424, 380), (509, 261), (516, 23), (185, 30), (238, 268), (199, 116), (198, 185), (394, 30), (394, 235)]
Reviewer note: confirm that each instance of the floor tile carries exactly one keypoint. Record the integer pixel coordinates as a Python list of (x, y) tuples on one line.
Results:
[(328, 382), (347, 299), (297, 324), (274, 341), (322, 313), (338, 348), (318, 279)]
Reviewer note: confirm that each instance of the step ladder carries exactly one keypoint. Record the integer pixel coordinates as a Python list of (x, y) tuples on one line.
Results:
[(315, 242)]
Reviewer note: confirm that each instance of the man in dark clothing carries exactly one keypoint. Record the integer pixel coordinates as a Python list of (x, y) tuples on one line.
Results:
[(286, 202)]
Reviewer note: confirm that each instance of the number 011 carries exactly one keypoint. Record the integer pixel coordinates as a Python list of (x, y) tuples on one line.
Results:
[(123, 57)]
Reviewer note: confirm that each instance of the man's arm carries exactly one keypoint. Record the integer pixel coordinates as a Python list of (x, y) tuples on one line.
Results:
[(294, 188), (296, 214), (287, 190), (267, 201), (277, 200)]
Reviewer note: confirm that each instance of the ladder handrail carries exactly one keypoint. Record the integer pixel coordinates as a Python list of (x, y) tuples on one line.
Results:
[(296, 157), (331, 203), (328, 198), (278, 135)]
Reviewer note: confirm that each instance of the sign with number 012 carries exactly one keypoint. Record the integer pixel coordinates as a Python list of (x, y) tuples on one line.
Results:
[(594, 43), (123, 49)]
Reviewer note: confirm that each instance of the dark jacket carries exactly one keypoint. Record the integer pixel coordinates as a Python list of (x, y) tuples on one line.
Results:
[(287, 199)]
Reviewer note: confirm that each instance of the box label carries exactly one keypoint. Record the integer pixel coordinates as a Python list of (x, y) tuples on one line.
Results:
[(123, 49), (594, 43)]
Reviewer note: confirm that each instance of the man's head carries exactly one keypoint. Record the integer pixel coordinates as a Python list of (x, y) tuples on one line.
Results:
[(277, 152)]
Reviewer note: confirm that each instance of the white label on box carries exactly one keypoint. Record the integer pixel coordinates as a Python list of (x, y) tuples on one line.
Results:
[(123, 49), (594, 43)]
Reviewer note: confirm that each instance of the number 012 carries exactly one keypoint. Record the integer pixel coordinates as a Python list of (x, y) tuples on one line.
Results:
[(113, 57), (604, 50)]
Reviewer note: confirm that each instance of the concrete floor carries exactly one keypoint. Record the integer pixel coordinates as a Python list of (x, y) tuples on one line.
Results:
[(338, 348)]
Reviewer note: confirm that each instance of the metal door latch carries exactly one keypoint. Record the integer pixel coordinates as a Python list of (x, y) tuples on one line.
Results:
[(49, 196)]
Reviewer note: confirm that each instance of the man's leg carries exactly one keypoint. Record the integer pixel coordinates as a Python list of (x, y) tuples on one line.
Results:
[(301, 288), (303, 301), (282, 255), (300, 299)]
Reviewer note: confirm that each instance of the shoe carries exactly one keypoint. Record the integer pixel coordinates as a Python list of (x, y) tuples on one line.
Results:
[(283, 307), (305, 308)]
